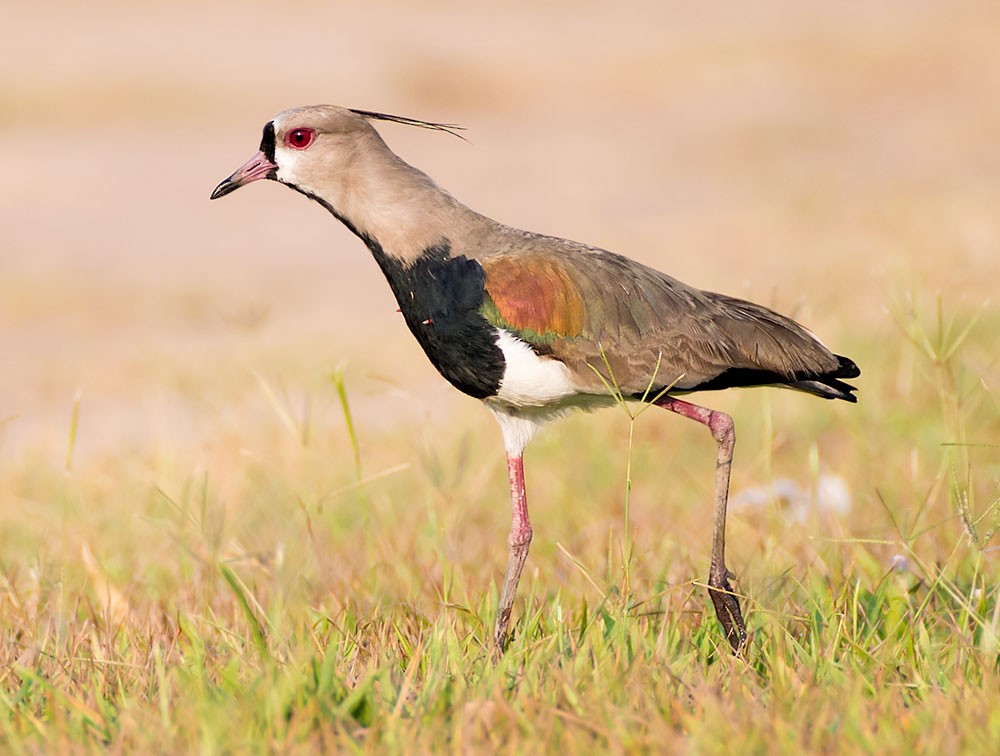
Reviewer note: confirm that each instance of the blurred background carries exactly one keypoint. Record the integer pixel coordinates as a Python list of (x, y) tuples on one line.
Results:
[(818, 157)]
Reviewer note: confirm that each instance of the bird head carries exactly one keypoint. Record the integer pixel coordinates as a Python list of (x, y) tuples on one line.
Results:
[(304, 147)]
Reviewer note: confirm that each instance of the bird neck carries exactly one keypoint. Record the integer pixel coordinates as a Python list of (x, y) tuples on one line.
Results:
[(396, 209)]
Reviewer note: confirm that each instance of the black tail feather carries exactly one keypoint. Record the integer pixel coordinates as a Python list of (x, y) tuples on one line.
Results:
[(825, 385), (845, 369), (827, 388)]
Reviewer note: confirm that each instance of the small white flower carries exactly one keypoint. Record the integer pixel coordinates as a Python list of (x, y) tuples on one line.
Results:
[(899, 563)]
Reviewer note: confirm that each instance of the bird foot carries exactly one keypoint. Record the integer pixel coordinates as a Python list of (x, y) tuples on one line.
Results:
[(727, 609), (500, 634)]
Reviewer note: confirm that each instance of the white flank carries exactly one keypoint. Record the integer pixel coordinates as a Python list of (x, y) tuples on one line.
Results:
[(530, 380)]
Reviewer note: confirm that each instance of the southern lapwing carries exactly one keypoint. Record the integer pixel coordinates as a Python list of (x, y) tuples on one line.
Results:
[(535, 325)]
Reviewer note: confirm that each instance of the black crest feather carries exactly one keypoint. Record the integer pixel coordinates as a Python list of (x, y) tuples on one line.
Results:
[(448, 128)]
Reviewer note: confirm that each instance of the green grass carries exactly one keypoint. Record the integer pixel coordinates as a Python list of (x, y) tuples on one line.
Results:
[(307, 583)]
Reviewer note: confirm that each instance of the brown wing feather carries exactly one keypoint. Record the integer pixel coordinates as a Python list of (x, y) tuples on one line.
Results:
[(593, 309)]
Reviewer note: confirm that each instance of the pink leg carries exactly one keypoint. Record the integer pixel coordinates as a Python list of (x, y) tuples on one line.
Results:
[(727, 605), (519, 540)]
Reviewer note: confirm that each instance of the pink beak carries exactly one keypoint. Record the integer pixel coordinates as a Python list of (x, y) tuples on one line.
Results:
[(256, 168)]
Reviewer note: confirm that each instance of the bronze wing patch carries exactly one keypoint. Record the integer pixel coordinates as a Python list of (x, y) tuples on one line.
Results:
[(533, 296)]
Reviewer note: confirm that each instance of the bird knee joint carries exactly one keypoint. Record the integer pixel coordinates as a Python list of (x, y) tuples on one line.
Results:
[(520, 537), (722, 426)]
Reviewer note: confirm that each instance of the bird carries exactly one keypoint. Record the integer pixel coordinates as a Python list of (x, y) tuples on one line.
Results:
[(535, 326)]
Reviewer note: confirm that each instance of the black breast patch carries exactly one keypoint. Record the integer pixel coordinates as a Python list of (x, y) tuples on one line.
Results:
[(440, 297)]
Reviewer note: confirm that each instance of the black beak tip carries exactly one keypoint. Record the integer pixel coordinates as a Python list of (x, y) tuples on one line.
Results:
[(226, 187)]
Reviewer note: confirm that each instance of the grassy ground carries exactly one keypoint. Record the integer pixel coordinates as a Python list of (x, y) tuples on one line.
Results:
[(289, 587)]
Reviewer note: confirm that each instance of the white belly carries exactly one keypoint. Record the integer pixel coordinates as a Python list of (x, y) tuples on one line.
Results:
[(530, 380)]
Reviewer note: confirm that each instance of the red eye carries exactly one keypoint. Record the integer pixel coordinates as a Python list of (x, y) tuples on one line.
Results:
[(299, 139)]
